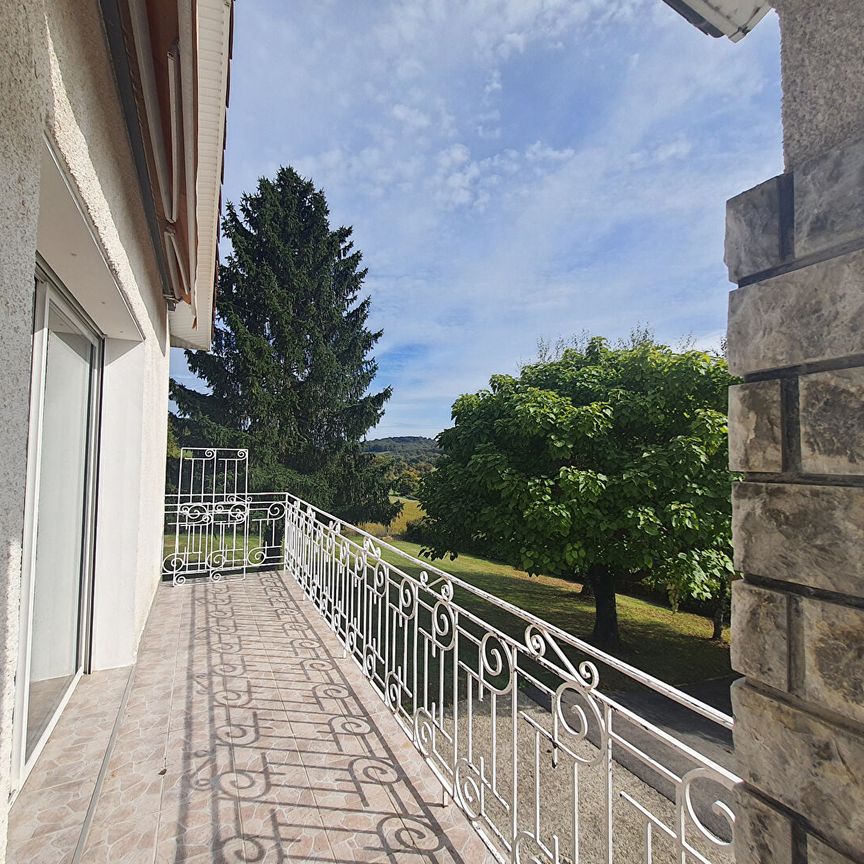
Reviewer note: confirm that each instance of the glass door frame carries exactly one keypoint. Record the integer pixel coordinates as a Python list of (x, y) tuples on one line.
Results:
[(49, 290)]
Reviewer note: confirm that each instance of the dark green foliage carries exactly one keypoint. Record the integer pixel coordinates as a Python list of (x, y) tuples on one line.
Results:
[(290, 368), (407, 478), (600, 463), (172, 457), (408, 458)]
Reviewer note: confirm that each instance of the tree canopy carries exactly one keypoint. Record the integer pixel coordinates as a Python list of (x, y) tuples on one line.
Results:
[(291, 366), (601, 462)]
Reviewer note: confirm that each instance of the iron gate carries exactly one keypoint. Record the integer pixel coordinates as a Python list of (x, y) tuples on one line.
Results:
[(216, 527)]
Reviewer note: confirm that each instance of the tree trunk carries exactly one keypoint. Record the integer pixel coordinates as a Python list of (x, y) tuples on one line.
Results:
[(602, 584), (719, 609)]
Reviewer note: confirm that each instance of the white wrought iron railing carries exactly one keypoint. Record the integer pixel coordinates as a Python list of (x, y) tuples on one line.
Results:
[(223, 536), (556, 751), (215, 527), (513, 716)]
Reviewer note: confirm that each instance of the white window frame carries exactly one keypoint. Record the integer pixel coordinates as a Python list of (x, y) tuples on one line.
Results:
[(49, 290)]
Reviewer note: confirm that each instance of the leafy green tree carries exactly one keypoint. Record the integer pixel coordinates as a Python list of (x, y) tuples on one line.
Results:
[(597, 463), (173, 446), (290, 370), (408, 481), (172, 454)]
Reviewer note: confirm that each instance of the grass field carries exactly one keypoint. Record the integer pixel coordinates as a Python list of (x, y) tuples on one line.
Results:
[(673, 646), (411, 510), (252, 541)]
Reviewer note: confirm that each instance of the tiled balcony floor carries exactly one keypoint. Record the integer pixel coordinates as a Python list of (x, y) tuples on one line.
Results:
[(46, 818), (246, 738)]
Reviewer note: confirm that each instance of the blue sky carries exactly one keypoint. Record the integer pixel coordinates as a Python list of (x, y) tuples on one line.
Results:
[(513, 169)]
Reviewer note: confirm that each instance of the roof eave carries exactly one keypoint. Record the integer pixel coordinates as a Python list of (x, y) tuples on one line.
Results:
[(192, 327)]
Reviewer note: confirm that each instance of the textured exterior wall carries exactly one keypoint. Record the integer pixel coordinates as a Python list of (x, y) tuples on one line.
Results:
[(795, 246), (56, 81), (23, 79), (87, 125), (823, 78)]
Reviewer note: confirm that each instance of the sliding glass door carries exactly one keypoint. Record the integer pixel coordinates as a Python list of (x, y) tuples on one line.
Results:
[(60, 511)]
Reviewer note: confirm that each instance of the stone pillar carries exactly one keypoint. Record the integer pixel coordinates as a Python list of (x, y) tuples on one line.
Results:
[(795, 248)]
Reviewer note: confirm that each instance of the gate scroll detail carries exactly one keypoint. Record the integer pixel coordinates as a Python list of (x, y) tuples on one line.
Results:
[(214, 526)]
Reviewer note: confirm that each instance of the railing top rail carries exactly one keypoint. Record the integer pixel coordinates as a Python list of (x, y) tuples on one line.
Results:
[(218, 495), (242, 452), (649, 681), (276, 496)]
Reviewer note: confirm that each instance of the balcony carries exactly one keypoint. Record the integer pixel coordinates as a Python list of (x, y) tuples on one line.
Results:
[(244, 736), (354, 705)]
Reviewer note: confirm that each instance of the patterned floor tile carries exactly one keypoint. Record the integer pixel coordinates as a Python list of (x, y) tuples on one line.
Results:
[(248, 737)]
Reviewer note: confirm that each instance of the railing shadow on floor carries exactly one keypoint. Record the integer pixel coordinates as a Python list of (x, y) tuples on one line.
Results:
[(520, 725), (282, 756)]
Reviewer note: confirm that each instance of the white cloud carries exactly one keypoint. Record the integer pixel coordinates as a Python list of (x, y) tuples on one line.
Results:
[(493, 84), (455, 154), (412, 118), (540, 152), (512, 168)]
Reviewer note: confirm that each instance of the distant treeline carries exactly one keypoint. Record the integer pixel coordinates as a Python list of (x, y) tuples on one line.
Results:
[(408, 459), (411, 448)]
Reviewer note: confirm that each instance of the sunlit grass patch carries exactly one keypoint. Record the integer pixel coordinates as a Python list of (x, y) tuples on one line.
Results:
[(411, 510)]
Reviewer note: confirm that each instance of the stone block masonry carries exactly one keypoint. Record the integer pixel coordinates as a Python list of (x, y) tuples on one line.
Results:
[(803, 534), (756, 427), (795, 249), (810, 765), (825, 300), (760, 643), (831, 406)]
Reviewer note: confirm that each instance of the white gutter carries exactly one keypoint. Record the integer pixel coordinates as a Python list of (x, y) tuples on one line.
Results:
[(192, 327)]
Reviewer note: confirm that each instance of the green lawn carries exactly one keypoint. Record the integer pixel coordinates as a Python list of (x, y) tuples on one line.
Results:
[(411, 510), (673, 646), (237, 547)]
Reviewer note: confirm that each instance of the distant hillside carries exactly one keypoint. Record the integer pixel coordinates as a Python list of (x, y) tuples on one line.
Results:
[(409, 447)]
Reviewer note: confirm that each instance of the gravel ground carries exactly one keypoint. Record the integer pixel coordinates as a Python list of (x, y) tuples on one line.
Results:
[(553, 788)]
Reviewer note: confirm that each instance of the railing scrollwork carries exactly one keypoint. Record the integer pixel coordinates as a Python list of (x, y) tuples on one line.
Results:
[(548, 764), (214, 527)]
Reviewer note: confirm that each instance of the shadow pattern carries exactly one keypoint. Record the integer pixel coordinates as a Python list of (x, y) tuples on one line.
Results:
[(277, 757)]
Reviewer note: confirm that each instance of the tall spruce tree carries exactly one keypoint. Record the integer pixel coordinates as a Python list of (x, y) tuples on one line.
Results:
[(290, 368)]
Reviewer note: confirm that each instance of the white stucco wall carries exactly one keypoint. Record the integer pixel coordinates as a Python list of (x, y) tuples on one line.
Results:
[(86, 124), (57, 86), (22, 102)]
